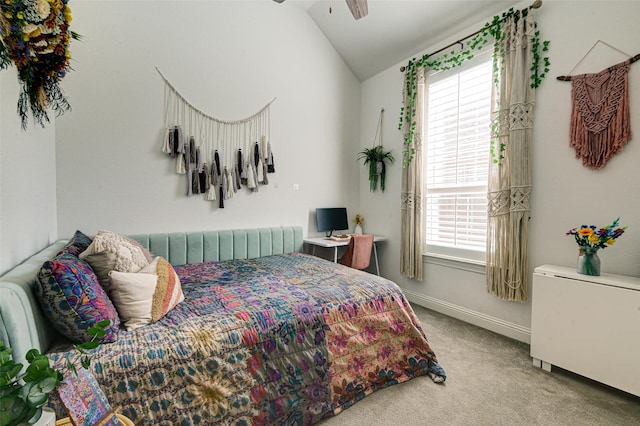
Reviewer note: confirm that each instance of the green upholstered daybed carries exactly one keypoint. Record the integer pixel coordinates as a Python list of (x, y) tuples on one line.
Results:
[(263, 333), (23, 325)]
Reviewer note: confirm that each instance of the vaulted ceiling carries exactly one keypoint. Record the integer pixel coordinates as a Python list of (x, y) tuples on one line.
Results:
[(395, 30)]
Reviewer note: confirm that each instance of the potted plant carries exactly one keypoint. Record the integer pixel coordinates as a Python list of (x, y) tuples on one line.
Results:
[(23, 394), (375, 157)]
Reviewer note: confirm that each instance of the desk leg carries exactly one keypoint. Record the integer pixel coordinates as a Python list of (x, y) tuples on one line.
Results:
[(335, 254), (375, 255)]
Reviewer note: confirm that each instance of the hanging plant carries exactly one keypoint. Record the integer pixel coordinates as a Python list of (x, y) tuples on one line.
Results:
[(476, 43), (375, 158), (34, 35)]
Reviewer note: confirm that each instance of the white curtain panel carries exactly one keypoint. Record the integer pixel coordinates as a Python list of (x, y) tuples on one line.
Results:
[(509, 183), (411, 195)]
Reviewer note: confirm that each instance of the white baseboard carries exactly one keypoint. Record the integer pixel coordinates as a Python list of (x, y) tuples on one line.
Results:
[(509, 329)]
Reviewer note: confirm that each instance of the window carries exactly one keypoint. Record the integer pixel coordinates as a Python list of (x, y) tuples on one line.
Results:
[(458, 134)]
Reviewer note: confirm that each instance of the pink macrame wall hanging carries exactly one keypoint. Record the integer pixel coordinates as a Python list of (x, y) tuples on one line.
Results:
[(600, 120)]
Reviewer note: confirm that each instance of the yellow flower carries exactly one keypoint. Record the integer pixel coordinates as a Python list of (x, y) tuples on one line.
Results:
[(585, 232), (593, 238), (610, 241), (31, 30), (218, 392), (205, 341), (211, 391), (67, 14)]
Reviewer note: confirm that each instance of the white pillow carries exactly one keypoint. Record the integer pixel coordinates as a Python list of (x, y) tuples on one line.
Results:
[(129, 255), (146, 296)]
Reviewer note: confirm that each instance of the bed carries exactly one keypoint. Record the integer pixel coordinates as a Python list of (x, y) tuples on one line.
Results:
[(265, 335)]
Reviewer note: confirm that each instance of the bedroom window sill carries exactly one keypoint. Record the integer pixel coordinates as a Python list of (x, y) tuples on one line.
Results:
[(475, 266)]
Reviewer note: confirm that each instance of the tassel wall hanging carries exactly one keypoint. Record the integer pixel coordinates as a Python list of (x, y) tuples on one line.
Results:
[(216, 157)]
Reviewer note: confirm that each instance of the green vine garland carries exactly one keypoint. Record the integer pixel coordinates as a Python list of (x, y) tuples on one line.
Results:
[(451, 60)]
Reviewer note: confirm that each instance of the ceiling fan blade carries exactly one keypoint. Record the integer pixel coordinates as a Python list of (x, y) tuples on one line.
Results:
[(358, 8)]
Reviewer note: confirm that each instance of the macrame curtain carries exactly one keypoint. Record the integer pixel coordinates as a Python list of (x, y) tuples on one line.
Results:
[(411, 195), (510, 179), (216, 156)]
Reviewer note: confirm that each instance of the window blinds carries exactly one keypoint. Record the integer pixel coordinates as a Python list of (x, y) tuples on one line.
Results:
[(457, 157)]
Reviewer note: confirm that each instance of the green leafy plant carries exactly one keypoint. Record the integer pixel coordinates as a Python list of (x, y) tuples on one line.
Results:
[(22, 395), (492, 30), (375, 158)]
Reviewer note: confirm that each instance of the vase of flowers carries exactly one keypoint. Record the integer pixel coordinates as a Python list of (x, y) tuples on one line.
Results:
[(588, 261), (590, 239), (359, 221)]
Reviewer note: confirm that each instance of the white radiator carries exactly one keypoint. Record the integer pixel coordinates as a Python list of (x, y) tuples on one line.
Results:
[(587, 325)]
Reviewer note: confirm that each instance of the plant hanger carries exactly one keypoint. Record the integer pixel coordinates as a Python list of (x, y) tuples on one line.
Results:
[(375, 158), (379, 128)]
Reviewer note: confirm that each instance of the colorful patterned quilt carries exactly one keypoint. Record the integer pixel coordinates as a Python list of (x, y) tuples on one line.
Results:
[(286, 339)]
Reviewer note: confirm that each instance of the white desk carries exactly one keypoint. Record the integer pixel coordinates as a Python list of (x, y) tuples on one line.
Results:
[(327, 243)]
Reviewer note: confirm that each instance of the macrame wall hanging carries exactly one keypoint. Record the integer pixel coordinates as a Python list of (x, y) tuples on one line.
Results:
[(600, 121), (217, 157)]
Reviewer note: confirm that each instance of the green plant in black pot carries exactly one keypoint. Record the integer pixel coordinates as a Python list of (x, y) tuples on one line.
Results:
[(23, 394), (375, 158)]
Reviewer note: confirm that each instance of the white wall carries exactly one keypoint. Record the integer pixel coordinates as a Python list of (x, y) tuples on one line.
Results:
[(27, 180), (229, 59), (565, 194)]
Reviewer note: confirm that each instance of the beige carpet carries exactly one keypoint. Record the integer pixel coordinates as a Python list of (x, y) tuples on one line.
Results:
[(490, 381)]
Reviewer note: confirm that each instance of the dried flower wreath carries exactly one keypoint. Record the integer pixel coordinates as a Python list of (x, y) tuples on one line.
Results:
[(34, 35)]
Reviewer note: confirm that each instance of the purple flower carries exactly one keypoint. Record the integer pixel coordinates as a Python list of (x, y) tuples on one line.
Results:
[(370, 332), (396, 326), (305, 310), (358, 363), (274, 375)]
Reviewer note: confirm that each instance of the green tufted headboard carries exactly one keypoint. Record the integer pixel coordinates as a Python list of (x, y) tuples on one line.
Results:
[(23, 325), (206, 246)]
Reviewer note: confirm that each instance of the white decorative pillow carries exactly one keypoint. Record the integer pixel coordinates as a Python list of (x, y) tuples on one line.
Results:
[(113, 252), (146, 296), (130, 255)]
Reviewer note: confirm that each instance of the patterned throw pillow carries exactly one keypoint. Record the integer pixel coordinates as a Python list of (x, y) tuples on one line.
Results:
[(146, 296), (72, 299), (77, 244)]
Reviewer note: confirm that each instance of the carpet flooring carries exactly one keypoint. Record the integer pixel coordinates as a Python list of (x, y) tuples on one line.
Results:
[(490, 381)]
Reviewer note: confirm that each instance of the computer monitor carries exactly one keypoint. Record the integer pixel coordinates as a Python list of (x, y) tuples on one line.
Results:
[(332, 219)]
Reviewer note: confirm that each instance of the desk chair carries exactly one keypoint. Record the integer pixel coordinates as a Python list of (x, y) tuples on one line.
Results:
[(358, 254)]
